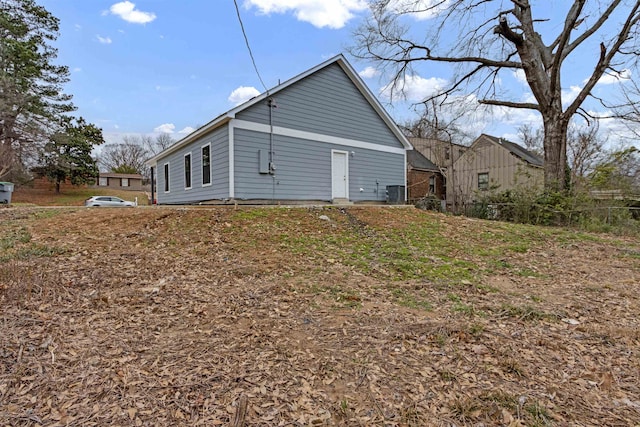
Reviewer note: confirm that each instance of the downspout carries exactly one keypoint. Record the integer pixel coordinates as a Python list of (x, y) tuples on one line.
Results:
[(153, 187), (272, 166)]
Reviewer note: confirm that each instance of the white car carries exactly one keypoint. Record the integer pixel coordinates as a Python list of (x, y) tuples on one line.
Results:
[(108, 201)]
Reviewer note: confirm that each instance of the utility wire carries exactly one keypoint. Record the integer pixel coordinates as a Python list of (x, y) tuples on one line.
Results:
[(246, 40)]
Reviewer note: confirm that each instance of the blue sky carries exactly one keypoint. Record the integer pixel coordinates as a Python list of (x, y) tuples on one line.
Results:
[(152, 66)]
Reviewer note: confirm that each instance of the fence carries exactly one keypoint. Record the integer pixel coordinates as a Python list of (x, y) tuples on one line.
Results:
[(539, 214)]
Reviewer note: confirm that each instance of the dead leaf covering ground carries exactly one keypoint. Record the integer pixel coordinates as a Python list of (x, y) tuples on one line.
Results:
[(274, 316)]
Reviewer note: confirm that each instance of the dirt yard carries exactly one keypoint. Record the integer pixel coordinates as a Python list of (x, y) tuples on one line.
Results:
[(312, 317)]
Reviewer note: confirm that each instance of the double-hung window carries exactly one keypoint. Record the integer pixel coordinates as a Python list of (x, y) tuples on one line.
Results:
[(166, 177), (206, 164), (187, 171)]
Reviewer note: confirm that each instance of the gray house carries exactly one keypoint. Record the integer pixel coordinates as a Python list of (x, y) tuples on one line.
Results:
[(321, 136)]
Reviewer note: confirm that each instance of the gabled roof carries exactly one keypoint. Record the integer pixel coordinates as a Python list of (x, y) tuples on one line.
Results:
[(517, 150), (418, 161), (229, 115)]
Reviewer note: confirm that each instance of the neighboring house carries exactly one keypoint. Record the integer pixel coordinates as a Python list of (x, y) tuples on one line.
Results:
[(423, 177), (321, 136), (495, 164), (120, 181), (443, 154)]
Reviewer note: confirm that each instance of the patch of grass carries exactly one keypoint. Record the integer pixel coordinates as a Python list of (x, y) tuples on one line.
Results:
[(465, 409), (73, 196), (406, 299), (10, 238), (526, 312), (249, 214), (502, 399), (487, 288), (38, 251), (527, 272), (520, 248), (460, 307), (476, 329), (540, 414)]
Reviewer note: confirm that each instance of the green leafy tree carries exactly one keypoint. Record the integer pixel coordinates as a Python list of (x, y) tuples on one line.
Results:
[(68, 154), (32, 101)]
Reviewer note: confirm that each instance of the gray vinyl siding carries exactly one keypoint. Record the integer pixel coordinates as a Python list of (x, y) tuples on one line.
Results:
[(326, 102), (303, 169), (219, 188)]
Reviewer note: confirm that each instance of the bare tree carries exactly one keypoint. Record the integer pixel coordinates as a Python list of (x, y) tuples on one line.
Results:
[(160, 143), (495, 36), (585, 148), (532, 138), (126, 157)]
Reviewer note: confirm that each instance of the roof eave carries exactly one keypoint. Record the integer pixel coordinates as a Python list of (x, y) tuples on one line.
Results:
[(213, 124)]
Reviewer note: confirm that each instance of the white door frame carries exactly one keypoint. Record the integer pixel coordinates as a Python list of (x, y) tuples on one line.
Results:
[(346, 173)]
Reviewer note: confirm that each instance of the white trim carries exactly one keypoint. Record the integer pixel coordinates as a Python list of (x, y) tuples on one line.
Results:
[(312, 136), (166, 177), (406, 189), (346, 166), (202, 184), (232, 172), (184, 176)]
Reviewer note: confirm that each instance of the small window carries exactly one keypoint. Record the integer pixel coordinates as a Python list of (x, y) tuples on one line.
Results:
[(187, 171), (124, 182), (483, 181), (206, 165), (447, 153), (103, 181), (432, 185), (166, 177)]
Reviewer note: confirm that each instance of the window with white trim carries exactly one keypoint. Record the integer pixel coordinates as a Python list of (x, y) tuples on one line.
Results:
[(206, 164), (187, 171), (124, 182), (166, 177)]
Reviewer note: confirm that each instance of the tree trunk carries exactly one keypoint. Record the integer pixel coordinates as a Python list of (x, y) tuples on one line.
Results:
[(57, 186), (555, 152)]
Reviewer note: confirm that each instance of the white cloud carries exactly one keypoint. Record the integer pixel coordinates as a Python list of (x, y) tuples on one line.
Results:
[(420, 9), (319, 13), (165, 128), (568, 96), (369, 72), (77, 69), (127, 11), (187, 130), (103, 40), (615, 77), (521, 77), (413, 88), (242, 94)]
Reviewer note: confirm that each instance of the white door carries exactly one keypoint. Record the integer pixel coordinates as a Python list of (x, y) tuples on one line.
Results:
[(339, 175)]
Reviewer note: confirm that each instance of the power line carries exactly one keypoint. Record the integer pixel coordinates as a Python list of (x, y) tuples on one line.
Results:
[(246, 40)]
